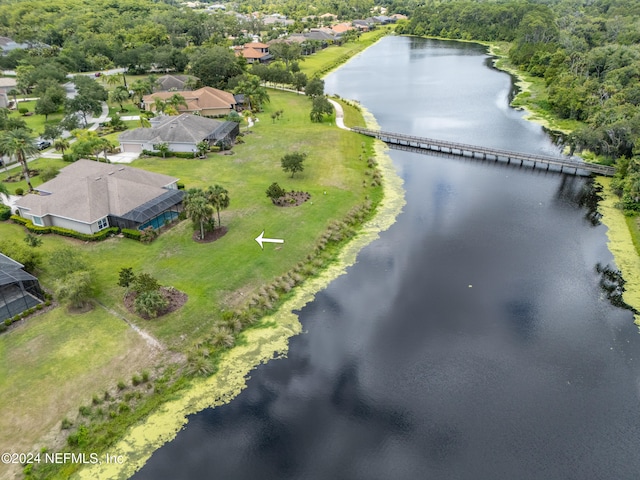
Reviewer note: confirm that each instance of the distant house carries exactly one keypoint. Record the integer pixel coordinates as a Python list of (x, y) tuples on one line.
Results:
[(19, 290), (205, 101), (168, 83), (254, 52), (6, 85), (89, 196), (6, 45), (182, 133), (339, 29)]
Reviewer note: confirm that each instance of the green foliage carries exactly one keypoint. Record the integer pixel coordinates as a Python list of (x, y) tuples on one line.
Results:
[(5, 212), (275, 191), (29, 257), (148, 235), (126, 277), (314, 87), (19, 191), (144, 283), (49, 173), (32, 240), (321, 107), (130, 233), (75, 288), (150, 303), (293, 162)]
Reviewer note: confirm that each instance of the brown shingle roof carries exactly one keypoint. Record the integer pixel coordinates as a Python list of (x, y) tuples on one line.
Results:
[(87, 191)]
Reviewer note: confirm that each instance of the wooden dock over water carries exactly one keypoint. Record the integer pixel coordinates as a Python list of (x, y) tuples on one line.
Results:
[(566, 165)]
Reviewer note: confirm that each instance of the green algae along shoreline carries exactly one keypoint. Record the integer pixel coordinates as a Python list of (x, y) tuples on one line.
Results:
[(620, 241), (620, 244), (260, 345)]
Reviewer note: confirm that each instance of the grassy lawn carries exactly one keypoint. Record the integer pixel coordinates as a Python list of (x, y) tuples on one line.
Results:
[(130, 109), (71, 358), (34, 165), (316, 64), (36, 122), (76, 356)]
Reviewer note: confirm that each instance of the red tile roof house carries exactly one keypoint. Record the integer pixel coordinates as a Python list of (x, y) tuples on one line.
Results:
[(206, 101), (89, 196), (254, 52)]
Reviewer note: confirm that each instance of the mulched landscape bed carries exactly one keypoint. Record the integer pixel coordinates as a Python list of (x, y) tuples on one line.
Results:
[(175, 297), (292, 199), (210, 236)]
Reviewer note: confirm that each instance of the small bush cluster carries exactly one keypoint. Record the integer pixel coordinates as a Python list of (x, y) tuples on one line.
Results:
[(149, 300)]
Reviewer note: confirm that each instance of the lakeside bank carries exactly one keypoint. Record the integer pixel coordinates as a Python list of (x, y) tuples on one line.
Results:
[(260, 345), (619, 228)]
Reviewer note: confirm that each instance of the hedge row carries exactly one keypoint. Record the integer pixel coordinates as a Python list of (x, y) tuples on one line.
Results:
[(151, 153), (9, 321), (65, 232), (130, 233)]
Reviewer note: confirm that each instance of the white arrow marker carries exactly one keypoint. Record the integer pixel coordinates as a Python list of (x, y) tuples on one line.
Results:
[(262, 240)]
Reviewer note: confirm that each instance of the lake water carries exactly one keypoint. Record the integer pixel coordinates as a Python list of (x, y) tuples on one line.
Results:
[(471, 341)]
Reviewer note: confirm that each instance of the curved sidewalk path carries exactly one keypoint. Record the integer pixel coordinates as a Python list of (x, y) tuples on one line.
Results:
[(339, 114)]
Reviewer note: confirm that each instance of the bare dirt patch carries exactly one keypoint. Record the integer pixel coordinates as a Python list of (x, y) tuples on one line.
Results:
[(175, 297), (292, 199), (210, 236)]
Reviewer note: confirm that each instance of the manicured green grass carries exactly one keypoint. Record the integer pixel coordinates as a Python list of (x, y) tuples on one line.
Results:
[(129, 109), (36, 122), (216, 276), (37, 164), (316, 63)]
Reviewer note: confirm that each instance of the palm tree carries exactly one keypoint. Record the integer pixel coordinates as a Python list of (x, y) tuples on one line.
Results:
[(218, 198), (119, 95), (61, 144), (198, 209), (112, 79), (176, 100), (141, 88), (20, 144), (163, 148)]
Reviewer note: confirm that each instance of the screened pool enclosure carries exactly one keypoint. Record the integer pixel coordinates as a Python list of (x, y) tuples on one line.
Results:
[(19, 290)]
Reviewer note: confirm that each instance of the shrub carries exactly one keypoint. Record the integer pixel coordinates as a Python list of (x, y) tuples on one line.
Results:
[(150, 303), (136, 380), (180, 186), (19, 191), (5, 212), (130, 233), (23, 110), (121, 385), (145, 376), (66, 424), (148, 235), (85, 411), (8, 322), (145, 283), (69, 157), (275, 191), (3, 327)]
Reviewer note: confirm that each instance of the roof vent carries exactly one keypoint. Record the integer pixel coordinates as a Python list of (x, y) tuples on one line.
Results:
[(98, 178), (121, 169)]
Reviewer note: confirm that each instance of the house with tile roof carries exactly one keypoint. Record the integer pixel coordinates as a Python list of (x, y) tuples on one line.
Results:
[(88, 196), (205, 101), (181, 133), (254, 52)]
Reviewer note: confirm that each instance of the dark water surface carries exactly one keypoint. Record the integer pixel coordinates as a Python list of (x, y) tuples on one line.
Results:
[(471, 341)]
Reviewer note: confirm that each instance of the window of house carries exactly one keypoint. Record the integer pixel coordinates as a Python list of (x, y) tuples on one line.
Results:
[(37, 221), (103, 223)]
